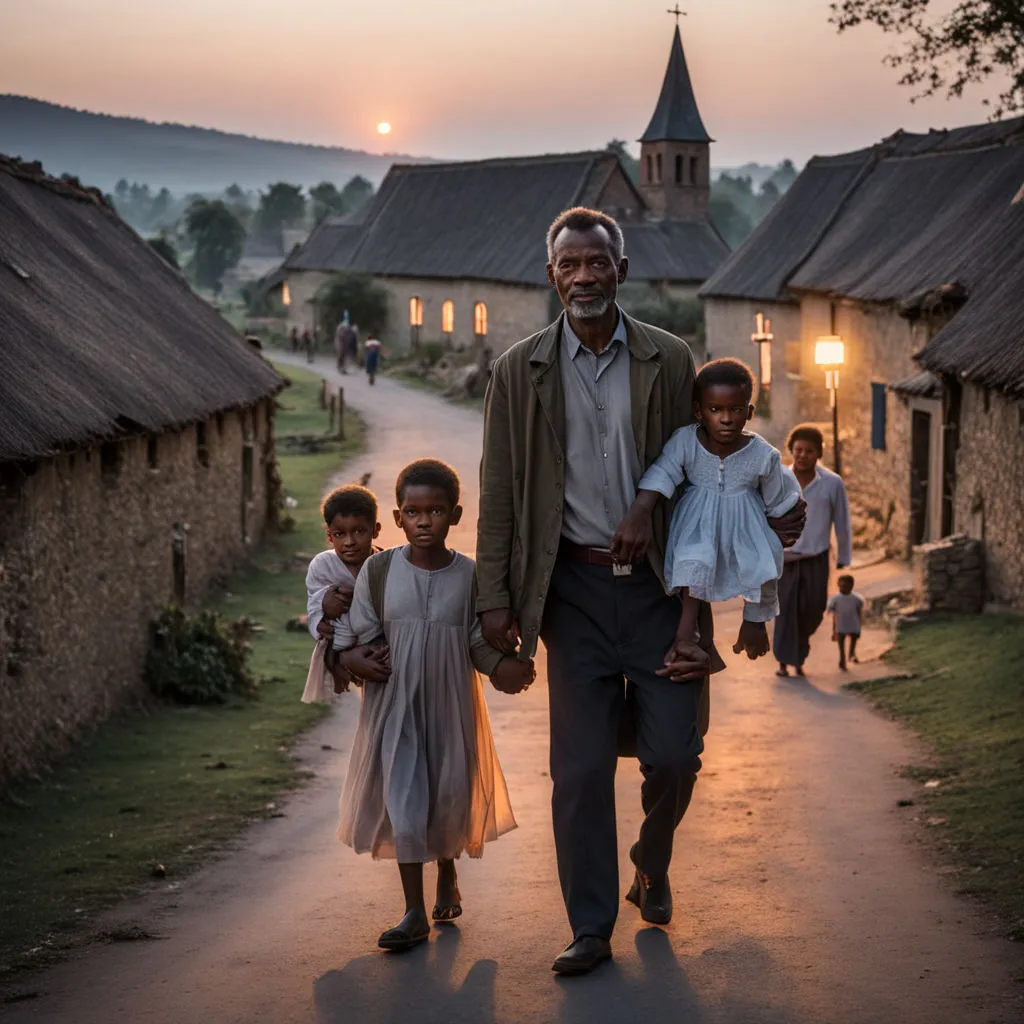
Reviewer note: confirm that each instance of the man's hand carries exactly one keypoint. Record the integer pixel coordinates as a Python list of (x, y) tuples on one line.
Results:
[(685, 661), (336, 602), (372, 664), (325, 629), (501, 629), (753, 638), (788, 527), (341, 676), (633, 536), (513, 675)]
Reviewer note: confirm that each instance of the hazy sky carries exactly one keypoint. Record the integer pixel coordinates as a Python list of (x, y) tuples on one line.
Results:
[(469, 78)]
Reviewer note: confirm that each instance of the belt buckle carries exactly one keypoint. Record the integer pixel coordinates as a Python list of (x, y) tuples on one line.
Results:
[(620, 569)]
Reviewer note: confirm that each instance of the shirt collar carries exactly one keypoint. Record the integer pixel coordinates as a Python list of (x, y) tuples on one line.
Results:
[(574, 344)]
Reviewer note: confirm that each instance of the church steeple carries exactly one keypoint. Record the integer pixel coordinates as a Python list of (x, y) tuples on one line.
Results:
[(675, 158)]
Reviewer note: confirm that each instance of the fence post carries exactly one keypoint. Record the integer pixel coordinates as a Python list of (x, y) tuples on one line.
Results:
[(330, 420), (341, 413), (323, 393)]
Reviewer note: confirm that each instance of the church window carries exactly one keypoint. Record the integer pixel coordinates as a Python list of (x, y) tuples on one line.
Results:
[(657, 164), (415, 311), (650, 173), (480, 320), (679, 170), (693, 170), (448, 317)]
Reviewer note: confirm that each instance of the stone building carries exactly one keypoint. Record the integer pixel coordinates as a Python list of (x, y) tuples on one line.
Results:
[(136, 457), (913, 255), (459, 247)]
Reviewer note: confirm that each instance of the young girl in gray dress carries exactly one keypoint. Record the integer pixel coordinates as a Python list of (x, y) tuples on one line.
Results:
[(424, 782), (720, 545)]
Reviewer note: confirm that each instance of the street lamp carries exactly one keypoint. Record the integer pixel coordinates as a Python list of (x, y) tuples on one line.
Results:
[(830, 354)]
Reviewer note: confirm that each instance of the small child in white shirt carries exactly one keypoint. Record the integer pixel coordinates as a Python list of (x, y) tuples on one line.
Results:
[(846, 608), (350, 517)]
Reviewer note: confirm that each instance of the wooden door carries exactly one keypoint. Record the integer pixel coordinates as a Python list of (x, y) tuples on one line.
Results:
[(920, 462)]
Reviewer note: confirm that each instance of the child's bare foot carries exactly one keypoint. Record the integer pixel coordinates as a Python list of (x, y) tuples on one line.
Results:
[(449, 899), (410, 931)]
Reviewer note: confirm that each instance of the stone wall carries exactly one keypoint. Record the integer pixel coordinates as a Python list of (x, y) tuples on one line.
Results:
[(949, 575), (86, 562), (730, 323), (989, 495)]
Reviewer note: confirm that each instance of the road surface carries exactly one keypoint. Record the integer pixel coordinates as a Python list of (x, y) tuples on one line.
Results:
[(802, 892)]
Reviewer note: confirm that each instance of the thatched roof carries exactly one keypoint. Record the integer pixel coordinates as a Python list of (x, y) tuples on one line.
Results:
[(487, 220), (99, 337)]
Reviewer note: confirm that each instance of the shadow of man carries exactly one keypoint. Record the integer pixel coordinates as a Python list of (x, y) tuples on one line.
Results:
[(396, 988)]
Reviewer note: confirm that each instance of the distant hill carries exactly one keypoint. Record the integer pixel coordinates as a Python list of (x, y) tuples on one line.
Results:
[(100, 149)]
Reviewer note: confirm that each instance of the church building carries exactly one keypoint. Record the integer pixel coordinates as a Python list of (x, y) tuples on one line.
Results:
[(460, 247)]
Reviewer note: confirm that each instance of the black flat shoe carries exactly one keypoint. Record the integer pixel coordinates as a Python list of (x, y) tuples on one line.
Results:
[(410, 931), (583, 955), (652, 896)]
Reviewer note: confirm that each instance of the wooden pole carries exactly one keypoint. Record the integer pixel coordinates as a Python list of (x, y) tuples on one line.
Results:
[(323, 393), (341, 413), (330, 421)]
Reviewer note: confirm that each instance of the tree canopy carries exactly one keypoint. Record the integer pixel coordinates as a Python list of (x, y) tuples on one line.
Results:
[(281, 206), (946, 50), (365, 302), (218, 236)]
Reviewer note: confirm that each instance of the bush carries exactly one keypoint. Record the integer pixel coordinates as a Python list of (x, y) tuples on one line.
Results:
[(198, 659), (357, 294)]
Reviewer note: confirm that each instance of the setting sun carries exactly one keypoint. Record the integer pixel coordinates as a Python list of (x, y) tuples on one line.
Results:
[(383, 128)]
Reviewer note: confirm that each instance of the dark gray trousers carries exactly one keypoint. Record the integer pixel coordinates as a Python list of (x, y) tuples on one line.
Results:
[(600, 631)]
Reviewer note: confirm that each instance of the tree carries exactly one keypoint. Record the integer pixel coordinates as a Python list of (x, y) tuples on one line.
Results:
[(281, 206), (356, 193), (326, 200), (164, 248), (218, 236), (628, 161), (365, 302), (947, 50)]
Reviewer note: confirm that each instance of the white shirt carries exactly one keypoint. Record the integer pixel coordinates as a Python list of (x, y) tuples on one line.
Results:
[(827, 506)]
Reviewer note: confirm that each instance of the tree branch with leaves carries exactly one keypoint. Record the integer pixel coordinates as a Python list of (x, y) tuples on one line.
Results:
[(946, 51)]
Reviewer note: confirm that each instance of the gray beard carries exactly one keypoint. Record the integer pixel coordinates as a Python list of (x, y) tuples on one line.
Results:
[(593, 310)]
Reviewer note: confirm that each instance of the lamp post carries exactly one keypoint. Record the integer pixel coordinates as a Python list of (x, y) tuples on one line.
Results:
[(763, 338), (829, 354)]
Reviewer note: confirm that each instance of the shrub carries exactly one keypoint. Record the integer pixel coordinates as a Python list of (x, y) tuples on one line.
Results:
[(357, 294), (198, 659)]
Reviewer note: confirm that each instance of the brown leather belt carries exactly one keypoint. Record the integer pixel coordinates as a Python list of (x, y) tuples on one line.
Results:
[(588, 556)]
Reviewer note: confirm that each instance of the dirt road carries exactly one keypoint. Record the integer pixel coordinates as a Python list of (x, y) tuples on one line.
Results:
[(801, 894)]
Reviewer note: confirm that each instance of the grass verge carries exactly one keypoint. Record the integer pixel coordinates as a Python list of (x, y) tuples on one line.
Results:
[(167, 786), (961, 687)]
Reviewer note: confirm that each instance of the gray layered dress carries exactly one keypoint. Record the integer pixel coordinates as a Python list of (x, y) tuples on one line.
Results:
[(423, 782)]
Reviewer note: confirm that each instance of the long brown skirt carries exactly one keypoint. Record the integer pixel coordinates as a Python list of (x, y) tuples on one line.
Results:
[(803, 595)]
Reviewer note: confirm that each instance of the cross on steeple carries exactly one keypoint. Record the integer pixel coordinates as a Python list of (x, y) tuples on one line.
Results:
[(675, 10)]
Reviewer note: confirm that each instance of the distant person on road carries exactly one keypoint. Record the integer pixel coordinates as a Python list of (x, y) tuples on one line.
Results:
[(372, 350), (293, 338), (720, 545), (339, 345), (350, 520), (803, 589), (424, 782), (308, 344), (846, 608), (573, 417), (351, 344)]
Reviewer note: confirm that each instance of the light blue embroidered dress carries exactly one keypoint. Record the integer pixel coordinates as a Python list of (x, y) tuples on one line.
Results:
[(719, 543)]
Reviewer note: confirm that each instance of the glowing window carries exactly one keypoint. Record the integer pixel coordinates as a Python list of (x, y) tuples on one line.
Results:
[(448, 317), (415, 311), (480, 319), (286, 294)]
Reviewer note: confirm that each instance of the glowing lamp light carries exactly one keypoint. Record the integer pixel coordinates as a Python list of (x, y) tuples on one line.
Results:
[(286, 294), (829, 351)]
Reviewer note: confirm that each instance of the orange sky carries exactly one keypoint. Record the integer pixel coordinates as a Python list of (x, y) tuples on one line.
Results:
[(469, 78)]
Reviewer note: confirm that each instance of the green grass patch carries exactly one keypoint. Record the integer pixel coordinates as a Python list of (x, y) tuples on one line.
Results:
[(960, 685), (169, 785)]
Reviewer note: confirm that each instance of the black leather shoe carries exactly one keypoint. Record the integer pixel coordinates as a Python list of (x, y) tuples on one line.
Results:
[(583, 955), (652, 895)]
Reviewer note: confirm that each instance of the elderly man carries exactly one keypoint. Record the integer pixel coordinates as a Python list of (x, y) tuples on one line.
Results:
[(573, 417)]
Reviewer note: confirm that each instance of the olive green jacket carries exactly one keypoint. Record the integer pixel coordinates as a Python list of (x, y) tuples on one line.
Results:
[(523, 469)]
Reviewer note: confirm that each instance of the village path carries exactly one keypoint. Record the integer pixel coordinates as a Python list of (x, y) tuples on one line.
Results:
[(803, 894)]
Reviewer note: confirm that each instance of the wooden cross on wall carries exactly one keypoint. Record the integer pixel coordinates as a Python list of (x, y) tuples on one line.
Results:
[(678, 13)]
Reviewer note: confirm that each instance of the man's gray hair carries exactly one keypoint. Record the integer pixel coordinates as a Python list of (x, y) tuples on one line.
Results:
[(581, 218)]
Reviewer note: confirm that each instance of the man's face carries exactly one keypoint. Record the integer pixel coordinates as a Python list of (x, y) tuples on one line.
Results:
[(805, 456), (584, 272)]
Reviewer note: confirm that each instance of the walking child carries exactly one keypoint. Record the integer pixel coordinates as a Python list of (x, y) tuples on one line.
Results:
[(720, 545), (424, 782), (846, 608), (350, 518)]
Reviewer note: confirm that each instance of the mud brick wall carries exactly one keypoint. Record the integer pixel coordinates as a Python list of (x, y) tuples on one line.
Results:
[(949, 575), (86, 542)]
